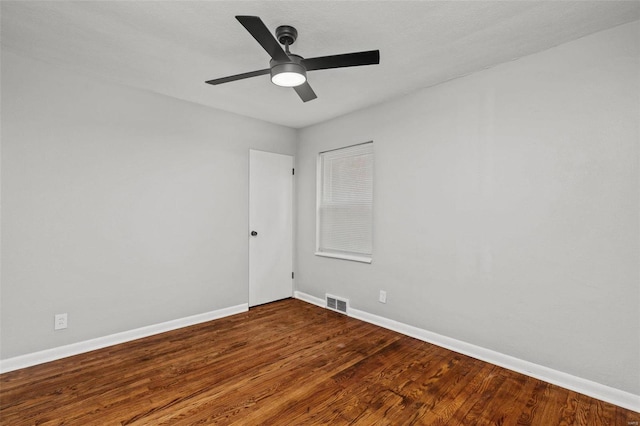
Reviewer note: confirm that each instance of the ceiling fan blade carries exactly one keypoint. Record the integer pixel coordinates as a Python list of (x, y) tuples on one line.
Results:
[(261, 33), (305, 92), (371, 57), (238, 76)]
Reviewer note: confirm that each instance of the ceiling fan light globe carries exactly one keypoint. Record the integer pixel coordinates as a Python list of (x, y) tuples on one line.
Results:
[(288, 79), (288, 75)]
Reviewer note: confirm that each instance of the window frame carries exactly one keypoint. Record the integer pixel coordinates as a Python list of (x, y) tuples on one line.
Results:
[(364, 258)]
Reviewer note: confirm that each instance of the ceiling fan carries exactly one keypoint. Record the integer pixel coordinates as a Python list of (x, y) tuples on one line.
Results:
[(288, 69)]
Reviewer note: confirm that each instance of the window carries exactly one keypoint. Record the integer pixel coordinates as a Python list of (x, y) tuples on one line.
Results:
[(345, 203)]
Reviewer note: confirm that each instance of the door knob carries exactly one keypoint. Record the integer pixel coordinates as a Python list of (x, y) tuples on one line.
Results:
[(254, 233)]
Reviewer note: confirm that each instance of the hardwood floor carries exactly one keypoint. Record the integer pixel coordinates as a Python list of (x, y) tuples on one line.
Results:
[(288, 363)]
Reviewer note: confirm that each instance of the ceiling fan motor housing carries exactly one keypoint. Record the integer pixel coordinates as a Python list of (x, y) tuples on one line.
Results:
[(286, 34)]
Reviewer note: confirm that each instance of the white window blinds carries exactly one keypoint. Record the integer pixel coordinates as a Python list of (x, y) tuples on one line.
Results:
[(345, 201)]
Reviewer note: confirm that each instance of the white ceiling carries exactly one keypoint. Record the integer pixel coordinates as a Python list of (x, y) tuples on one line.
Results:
[(172, 47)]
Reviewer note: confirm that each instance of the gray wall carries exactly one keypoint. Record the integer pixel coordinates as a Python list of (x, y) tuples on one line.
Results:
[(120, 207), (506, 209)]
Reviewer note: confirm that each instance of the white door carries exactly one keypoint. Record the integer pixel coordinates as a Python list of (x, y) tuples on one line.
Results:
[(270, 227)]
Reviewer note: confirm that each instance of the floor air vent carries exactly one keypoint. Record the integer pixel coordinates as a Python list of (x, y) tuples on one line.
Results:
[(337, 304)]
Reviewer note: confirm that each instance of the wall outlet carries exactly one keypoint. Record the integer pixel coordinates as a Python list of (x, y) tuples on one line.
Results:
[(60, 322), (383, 297)]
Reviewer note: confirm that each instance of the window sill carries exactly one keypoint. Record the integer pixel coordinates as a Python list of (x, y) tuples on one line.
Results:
[(363, 259)]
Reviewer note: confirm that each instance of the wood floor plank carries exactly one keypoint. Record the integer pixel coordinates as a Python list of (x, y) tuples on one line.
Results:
[(452, 399), (287, 363), (569, 409), (474, 409), (602, 413), (500, 409), (552, 408)]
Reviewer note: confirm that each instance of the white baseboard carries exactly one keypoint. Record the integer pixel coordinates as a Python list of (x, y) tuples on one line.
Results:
[(53, 354), (309, 299), (587, 387)]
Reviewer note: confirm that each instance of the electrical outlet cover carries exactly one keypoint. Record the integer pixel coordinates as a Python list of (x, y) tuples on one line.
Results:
[(60, 322)]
